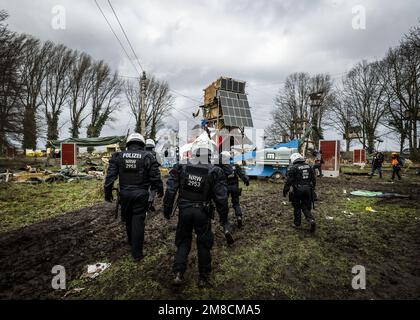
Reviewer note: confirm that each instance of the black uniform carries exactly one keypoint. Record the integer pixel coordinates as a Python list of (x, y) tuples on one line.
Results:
[(137, 170), (152, 192), (233, 174), (198, 184), (301, 176)]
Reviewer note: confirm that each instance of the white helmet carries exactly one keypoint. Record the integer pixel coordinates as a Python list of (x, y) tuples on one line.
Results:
[(150, 143), (225, 154), (135, 137), (296, 157), (200, 145)]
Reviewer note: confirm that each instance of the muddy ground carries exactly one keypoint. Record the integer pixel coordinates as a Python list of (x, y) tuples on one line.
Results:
[(290, 263)]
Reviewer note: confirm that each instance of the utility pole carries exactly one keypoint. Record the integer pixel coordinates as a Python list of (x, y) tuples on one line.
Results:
[(143, 104)]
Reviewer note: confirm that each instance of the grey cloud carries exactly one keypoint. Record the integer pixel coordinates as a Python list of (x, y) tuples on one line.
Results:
[(191, 43)]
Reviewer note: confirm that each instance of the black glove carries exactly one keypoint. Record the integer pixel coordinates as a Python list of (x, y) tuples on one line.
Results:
[(109, 197), (160, 192), (247, 183), (167, 211)]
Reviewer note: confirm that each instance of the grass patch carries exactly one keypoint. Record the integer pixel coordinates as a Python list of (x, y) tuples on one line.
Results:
[(25, 204)]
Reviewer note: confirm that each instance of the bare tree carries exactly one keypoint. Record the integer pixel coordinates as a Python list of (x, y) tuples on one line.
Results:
[(11, 109), (81, 79), (402, 78), (340, 118), (56, 87), (106, 89), (363, 95), (158, 104), (293, 112), (291, 109), (33, 71)]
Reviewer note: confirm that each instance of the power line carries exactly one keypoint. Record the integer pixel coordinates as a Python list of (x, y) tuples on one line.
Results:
[(118, 39), (125, 35)]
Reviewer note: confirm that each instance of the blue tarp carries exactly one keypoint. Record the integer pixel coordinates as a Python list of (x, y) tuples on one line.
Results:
[(294, 144)]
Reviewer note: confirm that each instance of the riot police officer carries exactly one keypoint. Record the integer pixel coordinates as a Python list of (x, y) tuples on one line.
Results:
[(233, 173), (198, 182), (301, 176), (137, 170), (150, 146)]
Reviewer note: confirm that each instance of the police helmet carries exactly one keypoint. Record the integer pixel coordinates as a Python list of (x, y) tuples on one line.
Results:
[(201, 148), (225, 154), (135, 137), (295, 157), (150, 143)]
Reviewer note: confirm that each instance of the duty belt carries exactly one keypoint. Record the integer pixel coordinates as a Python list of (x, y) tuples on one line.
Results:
[(199, 205)]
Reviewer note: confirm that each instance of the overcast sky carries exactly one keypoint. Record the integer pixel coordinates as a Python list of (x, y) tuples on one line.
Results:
[(191, 43)]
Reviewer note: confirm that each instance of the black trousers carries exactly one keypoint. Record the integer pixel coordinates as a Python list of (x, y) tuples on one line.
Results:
[(396, 171), (196, 219), (233, 192), (318, 166), (133, 211), (302, 202)]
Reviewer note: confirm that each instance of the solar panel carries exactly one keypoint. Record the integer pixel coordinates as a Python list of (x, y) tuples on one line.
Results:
[(235, 107), (232, 85)]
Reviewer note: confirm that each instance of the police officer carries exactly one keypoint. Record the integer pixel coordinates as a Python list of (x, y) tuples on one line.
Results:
[(301, 176), (233, 173), (198, 183), (150, 146), (137, 170), (377, 161)]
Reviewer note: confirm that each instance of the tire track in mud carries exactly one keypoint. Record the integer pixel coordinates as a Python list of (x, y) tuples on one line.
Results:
[(71, 240)]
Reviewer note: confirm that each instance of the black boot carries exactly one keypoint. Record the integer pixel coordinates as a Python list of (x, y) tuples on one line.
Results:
[(239, 222), (204, 280), (139, 258), (228, 234), (178, 280), (312, 225)]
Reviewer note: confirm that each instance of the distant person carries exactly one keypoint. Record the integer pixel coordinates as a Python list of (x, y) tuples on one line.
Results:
[(377, 161), (319, 161), (396, 163)]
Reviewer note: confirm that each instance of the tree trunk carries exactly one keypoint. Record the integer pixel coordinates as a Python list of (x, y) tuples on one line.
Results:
[(29, 129), (348, 141), (52, 133), (402, 140)]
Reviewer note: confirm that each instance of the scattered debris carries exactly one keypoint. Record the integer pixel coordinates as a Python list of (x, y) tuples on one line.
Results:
[(348, 214), (94, 270), (34, 175), (74, 290), (366, 193), (329, 218), (370, 209)]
